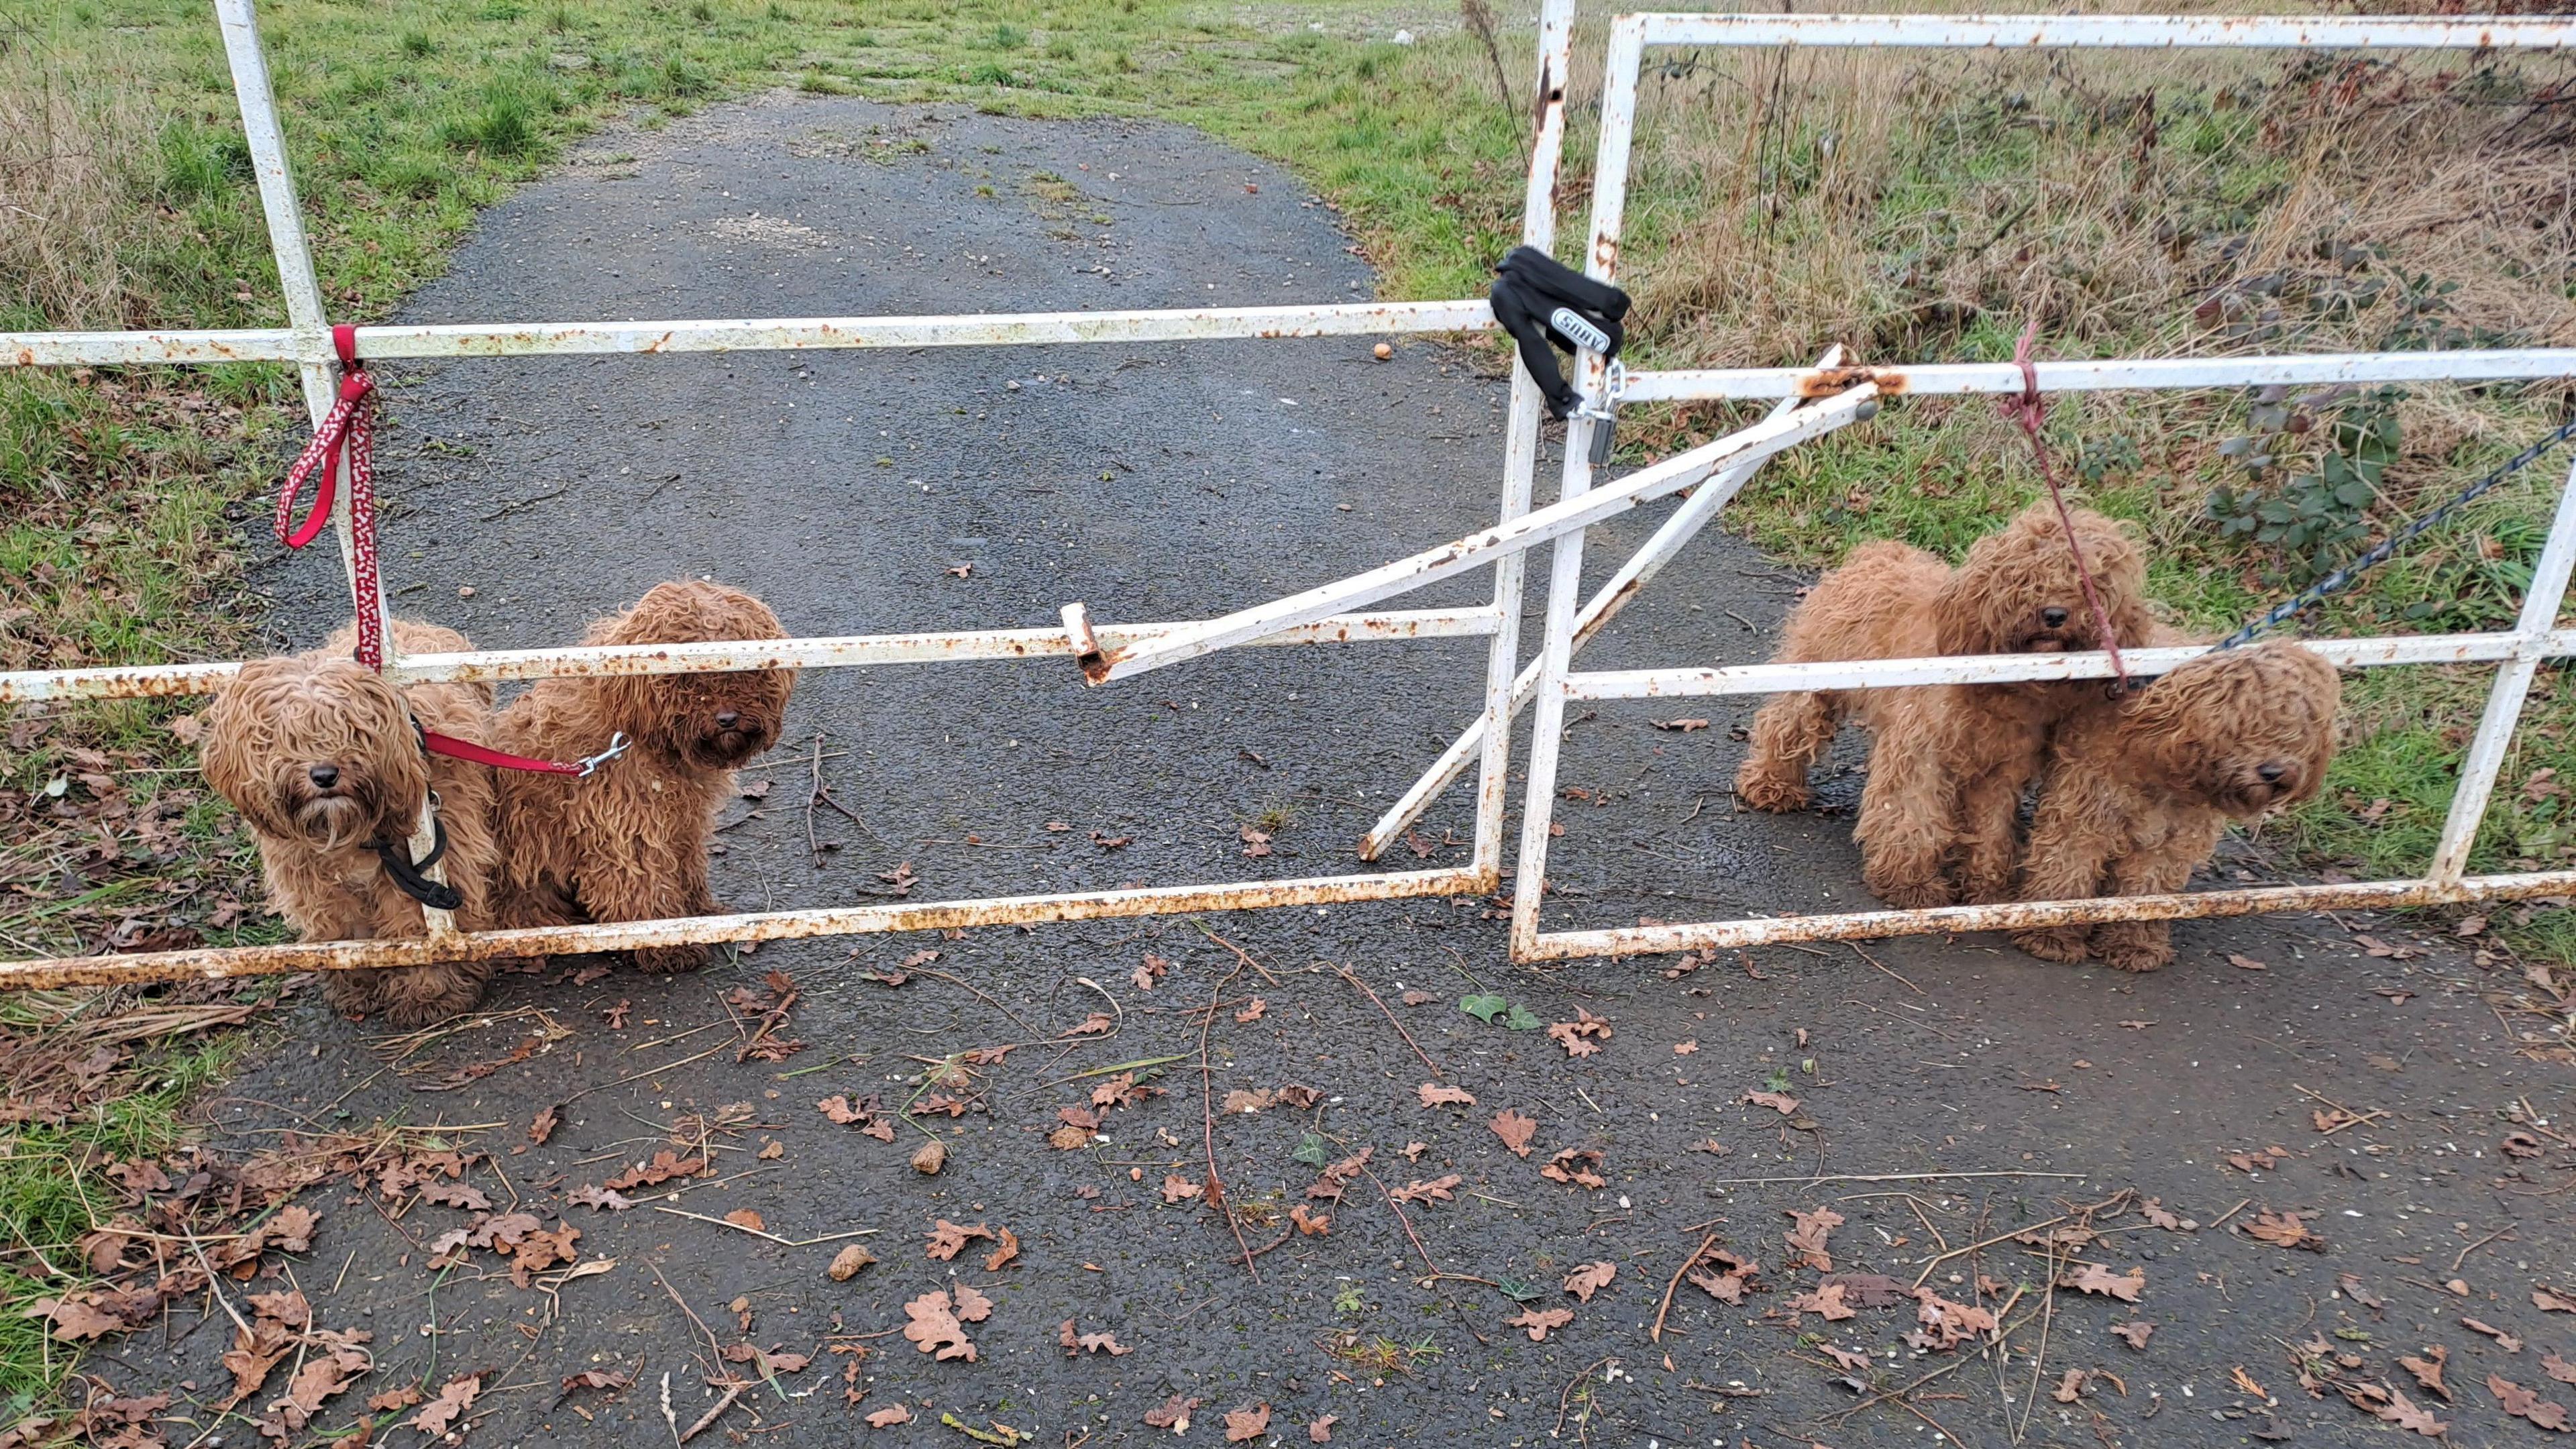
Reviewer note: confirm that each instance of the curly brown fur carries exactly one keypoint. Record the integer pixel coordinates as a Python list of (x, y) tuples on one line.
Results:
[(1948, 762), (2139, 791), (630, 842), (318, 754)]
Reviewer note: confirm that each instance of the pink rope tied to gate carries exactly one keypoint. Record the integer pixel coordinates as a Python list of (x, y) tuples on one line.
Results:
[(2031, 411), (349, 427)]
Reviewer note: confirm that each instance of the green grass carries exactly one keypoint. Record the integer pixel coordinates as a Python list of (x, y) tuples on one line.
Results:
[(1917, 210)]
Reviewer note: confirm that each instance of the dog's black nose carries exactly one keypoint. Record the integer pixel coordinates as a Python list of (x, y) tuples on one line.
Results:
[(2271, 771), (324, 776), (727, 720), (2053, 618)]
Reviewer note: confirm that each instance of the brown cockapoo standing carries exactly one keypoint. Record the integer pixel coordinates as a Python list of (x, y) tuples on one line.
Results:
[(629, 843), (320, 756), (1949, 761), (2139, 791)]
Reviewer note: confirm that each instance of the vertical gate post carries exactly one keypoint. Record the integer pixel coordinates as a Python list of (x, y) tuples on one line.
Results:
[(1520, 448), (316, 359), (2540, 604), (1565, 575)]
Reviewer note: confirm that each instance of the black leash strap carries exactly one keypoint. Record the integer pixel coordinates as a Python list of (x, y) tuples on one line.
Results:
[(410, 877), (1544, 303)]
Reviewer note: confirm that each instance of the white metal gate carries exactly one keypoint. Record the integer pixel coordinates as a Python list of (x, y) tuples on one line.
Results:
[(1812, 402)]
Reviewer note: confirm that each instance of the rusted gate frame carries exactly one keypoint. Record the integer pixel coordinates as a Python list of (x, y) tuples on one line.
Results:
[(306, 341), (2520, 651)]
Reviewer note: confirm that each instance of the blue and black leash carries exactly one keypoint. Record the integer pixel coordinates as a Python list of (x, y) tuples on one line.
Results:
[(2379, 553)]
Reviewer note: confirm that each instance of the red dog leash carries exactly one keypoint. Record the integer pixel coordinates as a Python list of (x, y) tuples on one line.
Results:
[(2031, 411), (350, 428)]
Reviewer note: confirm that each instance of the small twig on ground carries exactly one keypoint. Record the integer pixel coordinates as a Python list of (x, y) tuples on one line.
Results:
[(1884, 1177), (2231, 1212), (2480, 1243), (1239, 953), (667, 1416), (2039, 1360), (715, 1349), (1401, 1220), (229, 1311), (1034, 1033), (731, 1393), (1347, 975), (1883, 966), (773, 1237), (1215, 1194), (1567, 1396), (1936, 1261), (821, 794), (1656, 1334)]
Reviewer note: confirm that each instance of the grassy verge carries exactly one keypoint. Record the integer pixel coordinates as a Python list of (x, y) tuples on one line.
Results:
[(1915, 209)]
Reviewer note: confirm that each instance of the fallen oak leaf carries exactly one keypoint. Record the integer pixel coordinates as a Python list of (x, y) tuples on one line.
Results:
[(2094, 1278), (889, 1416), (2522, 1403), (1807, 1239), (2563, 1370), (1309, 1222), (1577, 1166), (972, 1306), (1002, 1255), (1078, 1344), (1576, 1036), (1589, 1279), (2134, 1332), (1436, 1190), (1779, 1102), (1434, 1094), (1177, 1188), (441, 1413), (2287, 1230), (1248, 1423), (947, 1237), (2504, 1340), (2550, 1300), (1252, 1013), (1321, 1431), (1515, 1130), (2428, 1369), (934, 1328), (1826, 1300), (1540, 1321), (1173, 1415)]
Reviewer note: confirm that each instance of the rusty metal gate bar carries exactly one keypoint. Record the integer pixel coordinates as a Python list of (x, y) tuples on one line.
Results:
[(2520, 651), (306, 342)]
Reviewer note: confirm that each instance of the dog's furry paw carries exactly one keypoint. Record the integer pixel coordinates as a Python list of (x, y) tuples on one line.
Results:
[(2062, 943), (1919, 895), (1764, 790), (2133, 946), (668, 960)]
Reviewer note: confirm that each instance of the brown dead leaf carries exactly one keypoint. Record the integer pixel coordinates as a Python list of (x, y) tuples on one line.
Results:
[(1826, 1300), (2134, 1332), (934, 1328), (1001, 1256), (2428, 1369), (2504, 1340), (1578, 1166), (947, 1237), (2094, 1278), (2550, 1300), (1096, 1024), (889, 1416), (1434, 1094), (1177, 1188), (1252, 1013), (2287, 1230), (1807, 1240), (1684, 1048), (1515, 1130), (2069, 1388), (2159, 1217), (1540, 1321), (1309, 1223), (1679, 726), (1247, 1100), (1154, 968), (544, 1126), (1173, 1415), (971, 1304), (1321, 1431), (2522, 1403), (1078, 1344), (1436, 1190), (402, 1396), (1779, 1102), (1251, 1423), (2563, 1370), (441, 1413), (1589, 1279), (1418, 998), (1581, 1037), (1946, 1324), (747, 1218)]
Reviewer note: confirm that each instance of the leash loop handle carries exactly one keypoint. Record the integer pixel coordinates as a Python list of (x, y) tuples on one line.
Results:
[(348, 428)]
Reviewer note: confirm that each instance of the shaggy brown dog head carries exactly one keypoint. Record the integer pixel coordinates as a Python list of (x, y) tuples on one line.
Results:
[(709, 721), (316, 748), (2244, 730), (2018, 592)]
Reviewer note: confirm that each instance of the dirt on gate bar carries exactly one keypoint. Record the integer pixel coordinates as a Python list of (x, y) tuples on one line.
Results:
[(2307, 1184)]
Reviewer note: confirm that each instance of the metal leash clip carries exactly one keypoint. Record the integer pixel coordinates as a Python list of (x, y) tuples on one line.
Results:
[(1604, 411), (617, 744)]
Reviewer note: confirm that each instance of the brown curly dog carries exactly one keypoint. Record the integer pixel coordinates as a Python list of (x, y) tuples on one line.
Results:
[(318, 753), (2139, 791), (1948, 762), (629, 843)]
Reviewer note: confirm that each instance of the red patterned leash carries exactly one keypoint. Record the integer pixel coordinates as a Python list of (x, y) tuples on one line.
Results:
[(350, 428), (2031, 411)]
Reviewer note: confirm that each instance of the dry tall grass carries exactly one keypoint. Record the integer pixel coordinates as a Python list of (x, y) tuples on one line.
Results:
[(77, 158)]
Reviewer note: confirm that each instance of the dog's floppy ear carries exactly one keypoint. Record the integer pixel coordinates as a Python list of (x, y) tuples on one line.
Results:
[(235, 742), (1965, 610)]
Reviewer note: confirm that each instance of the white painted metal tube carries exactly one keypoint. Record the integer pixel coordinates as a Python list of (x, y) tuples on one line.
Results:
[(2127, 32), (146, 681), (1632, 577), (1520, 452), (2008, 668), (2540, 604), (556, 339), (2021, 915), (217, 963), (2113, 374), (1479, 549)]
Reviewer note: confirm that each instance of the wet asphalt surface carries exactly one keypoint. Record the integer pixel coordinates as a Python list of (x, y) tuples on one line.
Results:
[(1178, 481)]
